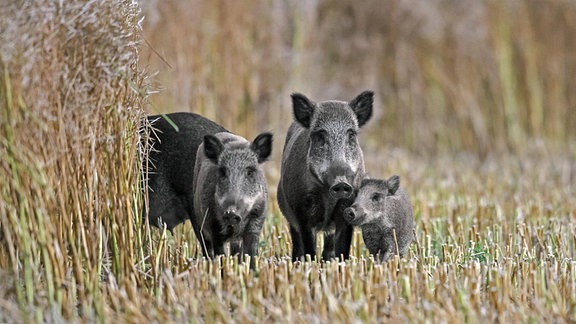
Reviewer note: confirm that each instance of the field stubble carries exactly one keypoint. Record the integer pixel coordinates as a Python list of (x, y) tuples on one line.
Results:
[(494, 241)]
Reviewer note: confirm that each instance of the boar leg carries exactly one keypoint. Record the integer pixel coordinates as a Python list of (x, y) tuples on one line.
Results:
[(250, 246), (297, 250), (385, 256), (219, 248), (343, 239), (303, 242), (236, 247), (309, 242), (328, 249)]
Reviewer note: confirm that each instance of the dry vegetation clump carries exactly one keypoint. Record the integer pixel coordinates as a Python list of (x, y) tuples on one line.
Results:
[(70, 102), (495, 234)]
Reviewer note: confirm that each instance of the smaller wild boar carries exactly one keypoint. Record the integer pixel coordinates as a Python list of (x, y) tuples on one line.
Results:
[(230, 193), (384, 213), (170, 165)]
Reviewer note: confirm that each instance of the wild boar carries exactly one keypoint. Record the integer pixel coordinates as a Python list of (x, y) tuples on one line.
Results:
[(383, 211), (322, 168), (170, 165), (230, 193)]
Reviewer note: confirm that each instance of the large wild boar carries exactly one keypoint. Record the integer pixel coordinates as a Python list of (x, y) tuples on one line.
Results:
[(322, 168), (170, 165), (230, 193), (384, 212)]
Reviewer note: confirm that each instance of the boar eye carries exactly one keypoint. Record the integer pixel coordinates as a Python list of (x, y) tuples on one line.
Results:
[(222, 172), (250, 172), (351, 136), (319, 138), (376, 197)]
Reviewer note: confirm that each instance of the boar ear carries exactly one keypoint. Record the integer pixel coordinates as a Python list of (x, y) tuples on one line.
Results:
[(362, 107), (365, 178), (212, 148), (262, 145), (303, 109), (393, 184)]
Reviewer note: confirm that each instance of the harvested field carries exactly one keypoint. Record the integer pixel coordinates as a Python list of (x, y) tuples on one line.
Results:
[(475, 110)]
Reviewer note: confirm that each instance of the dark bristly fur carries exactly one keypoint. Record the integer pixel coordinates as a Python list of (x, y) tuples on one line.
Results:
[(384, 212), (322, 167), (171, 165), (230, 193)]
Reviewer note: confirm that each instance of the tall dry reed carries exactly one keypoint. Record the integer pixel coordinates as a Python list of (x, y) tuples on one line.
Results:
[(71, 100)]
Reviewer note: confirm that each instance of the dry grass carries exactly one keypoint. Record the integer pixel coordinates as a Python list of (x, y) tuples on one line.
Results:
[(480, 76), (494, 223), (70, 103)]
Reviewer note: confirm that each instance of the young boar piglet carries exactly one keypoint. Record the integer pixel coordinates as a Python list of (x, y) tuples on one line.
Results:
[(230, 193), (384, 213)]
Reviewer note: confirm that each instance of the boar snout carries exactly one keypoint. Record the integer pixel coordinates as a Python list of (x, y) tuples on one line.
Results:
[(341, 190), (349, 214), (341, 187), (231, 217), (354, 215)]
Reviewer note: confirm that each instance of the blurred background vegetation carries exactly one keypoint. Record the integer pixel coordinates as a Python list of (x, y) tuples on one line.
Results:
[(485, 77)]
